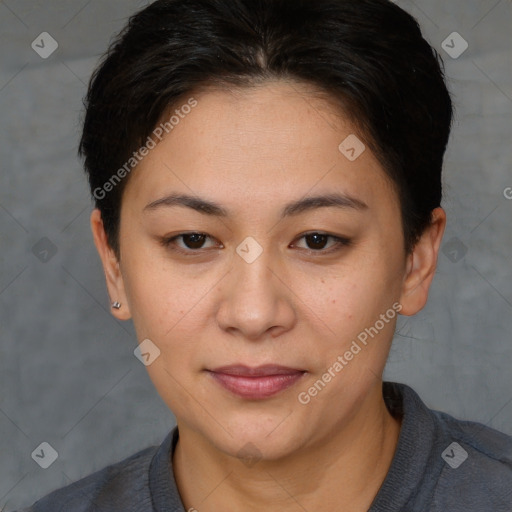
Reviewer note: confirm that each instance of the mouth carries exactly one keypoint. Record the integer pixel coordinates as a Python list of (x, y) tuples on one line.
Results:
[(256, 383)]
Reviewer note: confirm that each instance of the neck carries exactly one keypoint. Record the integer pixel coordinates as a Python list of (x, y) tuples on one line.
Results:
[(348, 466)]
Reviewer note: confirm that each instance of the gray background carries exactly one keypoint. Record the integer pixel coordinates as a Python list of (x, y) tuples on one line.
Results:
[(67, 371)]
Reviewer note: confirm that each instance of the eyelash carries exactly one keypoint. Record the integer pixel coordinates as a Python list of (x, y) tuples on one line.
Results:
[(168, 242)]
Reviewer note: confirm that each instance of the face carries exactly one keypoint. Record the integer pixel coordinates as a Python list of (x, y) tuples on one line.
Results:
[(262, 274)]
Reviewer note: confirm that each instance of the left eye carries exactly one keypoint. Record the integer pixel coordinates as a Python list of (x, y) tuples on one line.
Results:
[(317, 241)]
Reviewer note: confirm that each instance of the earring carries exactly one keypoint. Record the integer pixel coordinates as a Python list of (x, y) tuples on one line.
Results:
[(116, 305)]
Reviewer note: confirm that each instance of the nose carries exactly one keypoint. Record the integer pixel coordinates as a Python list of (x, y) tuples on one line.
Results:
[(256, 301)]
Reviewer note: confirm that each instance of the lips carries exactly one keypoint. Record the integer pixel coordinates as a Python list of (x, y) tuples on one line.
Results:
[(259, 371), (256, 382)]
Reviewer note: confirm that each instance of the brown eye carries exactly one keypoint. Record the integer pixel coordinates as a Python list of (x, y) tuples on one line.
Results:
[(194, 240), (191, 242), (317, 242)]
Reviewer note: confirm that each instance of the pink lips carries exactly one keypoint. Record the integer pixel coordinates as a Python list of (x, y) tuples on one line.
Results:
[(256, 383)]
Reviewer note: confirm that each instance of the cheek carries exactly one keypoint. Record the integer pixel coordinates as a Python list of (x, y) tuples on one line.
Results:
[(355, 292), (174, 310), (348, 308), (160, 297), (169, 310)]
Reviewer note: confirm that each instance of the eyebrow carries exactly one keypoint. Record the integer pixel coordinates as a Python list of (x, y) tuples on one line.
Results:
[(211, 208)]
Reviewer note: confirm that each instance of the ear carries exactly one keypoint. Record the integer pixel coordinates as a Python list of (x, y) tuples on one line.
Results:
[(113, 276), (421, 265)]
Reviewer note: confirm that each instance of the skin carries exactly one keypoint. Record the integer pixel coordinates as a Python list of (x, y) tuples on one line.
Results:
[(253, 152)]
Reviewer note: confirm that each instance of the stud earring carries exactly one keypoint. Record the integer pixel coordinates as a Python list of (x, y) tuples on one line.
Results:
[(116, 305)]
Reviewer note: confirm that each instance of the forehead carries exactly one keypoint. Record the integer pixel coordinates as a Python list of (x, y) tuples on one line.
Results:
[(275, 117), (266, 141)]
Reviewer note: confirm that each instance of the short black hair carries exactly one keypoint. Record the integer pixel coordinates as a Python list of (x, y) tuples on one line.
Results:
[(368, 55)]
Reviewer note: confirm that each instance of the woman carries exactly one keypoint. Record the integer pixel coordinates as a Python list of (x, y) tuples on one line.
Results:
[(267, 179)]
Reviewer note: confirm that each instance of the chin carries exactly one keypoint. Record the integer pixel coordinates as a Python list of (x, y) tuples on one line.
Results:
[(254, 437)]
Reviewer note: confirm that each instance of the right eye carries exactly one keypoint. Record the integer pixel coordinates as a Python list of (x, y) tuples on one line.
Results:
[(193, 242)]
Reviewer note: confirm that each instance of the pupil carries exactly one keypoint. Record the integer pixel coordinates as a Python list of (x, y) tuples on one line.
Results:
[(197, 239), (318, 239)]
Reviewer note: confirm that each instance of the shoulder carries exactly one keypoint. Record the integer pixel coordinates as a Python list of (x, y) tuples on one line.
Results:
[(443, 463), (482, 440), (477, 467), (123, 486)]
